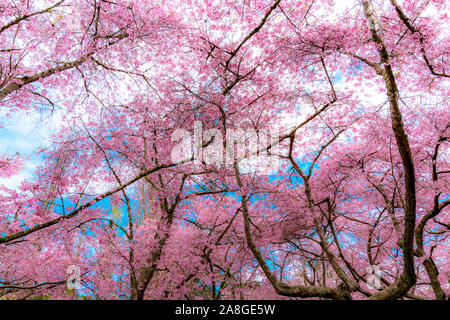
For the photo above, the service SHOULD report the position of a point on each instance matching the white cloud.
(23, 134)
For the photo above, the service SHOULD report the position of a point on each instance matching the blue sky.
(24, 134)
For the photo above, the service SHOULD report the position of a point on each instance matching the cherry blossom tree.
(354, 96)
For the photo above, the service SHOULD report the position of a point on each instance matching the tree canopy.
(228, 149)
